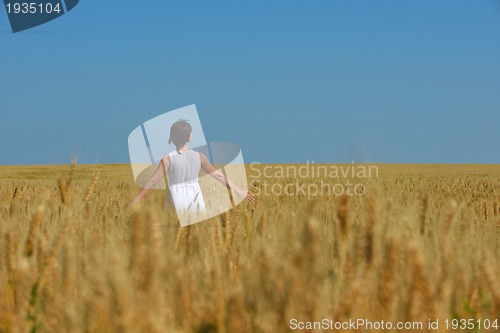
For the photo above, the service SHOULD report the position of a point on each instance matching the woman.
(182, 167)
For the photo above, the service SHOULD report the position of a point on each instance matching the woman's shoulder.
(168, 156)
(200, 154)
(196, 154)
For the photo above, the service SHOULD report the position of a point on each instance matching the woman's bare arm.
(159, 173)
(217, 175)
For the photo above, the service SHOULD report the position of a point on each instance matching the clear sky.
(289, 81)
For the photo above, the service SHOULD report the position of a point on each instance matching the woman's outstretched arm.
(159, 173)
(217, 175)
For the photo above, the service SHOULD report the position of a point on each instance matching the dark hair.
(179, 133)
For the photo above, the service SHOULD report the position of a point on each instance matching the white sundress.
(184, 191)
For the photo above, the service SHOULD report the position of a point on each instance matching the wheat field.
(423, 243)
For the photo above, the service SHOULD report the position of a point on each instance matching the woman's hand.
(245, 195)
(131, 204)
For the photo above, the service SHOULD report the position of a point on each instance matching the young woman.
(182, 167)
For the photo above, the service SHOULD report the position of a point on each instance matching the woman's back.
(184, 167)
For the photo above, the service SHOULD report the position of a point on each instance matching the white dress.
(184, 191)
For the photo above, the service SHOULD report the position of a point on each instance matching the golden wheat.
(423, 243)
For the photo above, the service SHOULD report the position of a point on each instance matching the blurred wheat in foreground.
(423, 243)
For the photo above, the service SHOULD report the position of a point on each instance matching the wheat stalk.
(91, 188)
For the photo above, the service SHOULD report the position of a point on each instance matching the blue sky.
(289, 81)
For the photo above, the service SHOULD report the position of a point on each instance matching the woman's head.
(180, 133)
